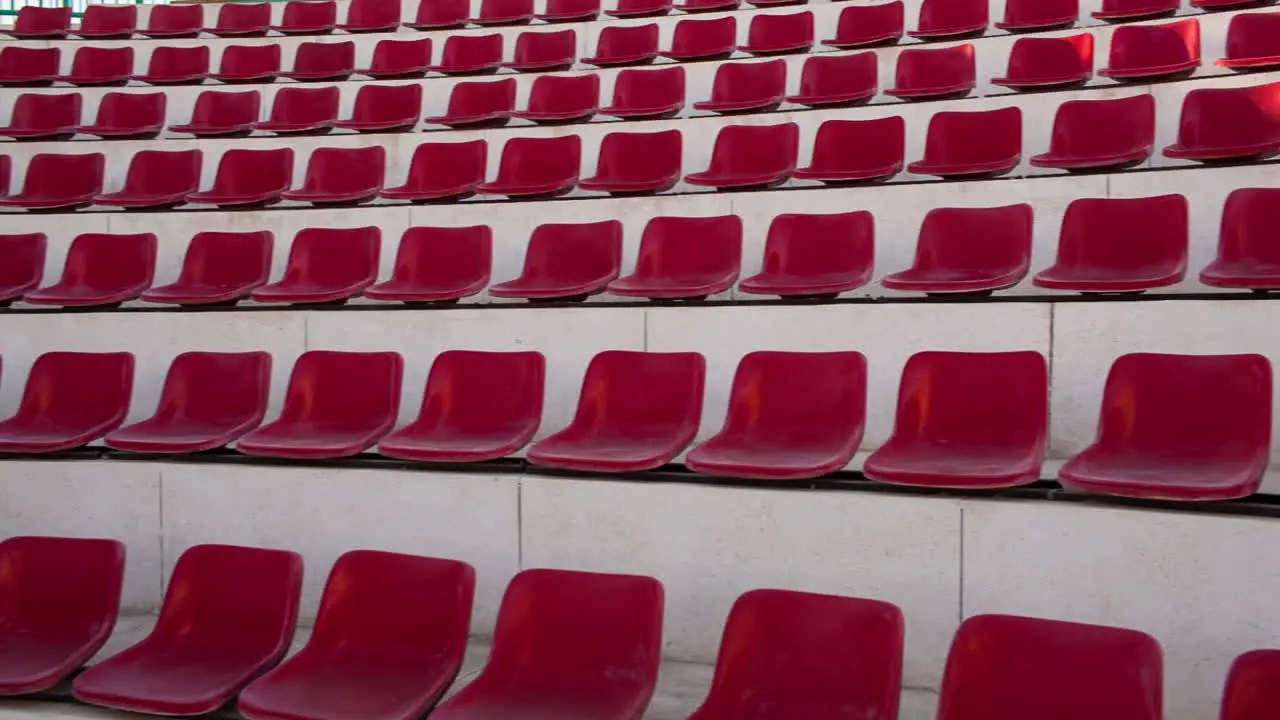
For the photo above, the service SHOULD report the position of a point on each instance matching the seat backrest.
(345, 169)
(540, 159)
(244, 16)
(36, 20)
(387, 102)
(249, 59)
(305, 105)
(1245, 231)
(309, 13)
(573, 7)
(59, 587)
(641, 393)
(1143, 46)
(690, 246)
(562, 93)
(649, 88)
(801, 398)
(627, 41)
(220, 107)
(749, 81)
(22, 259)
(545, 46)
(344, 389)
(46, 110)
(836, 74)
(1104, 127)
(334, 256)
(870, 22)
(102, 62)
(216, 387)
(499, 9)
(1035, 58)
(976, 239)
(445, 254)
(1229, 117)
(814, 244)
(373, 14)
(254, 171)
(691, 36)
(332, 57)
(1125, 234)
(167, 60)
(766, 29)
(756, 148)
(109, 19)
(72, 389)
(442, 13)
(23, 62)
(944, 15)
(478, 97)
(131, 110)
(222, 259)
(574, 252)
(920, 69)
(472, 49)
(57, 175)
(448, 164)
(477, 392)
(640, 156)
(110, 261)
(401, 55)
(162, 171)
(870, 144)
(1022, 13)
(1252, 682)
(968, 137)
(1251, 35)
(175, 18)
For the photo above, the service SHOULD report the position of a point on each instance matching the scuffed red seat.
(371, 16)
(56, 181)
(625, 45)
(21, 66)
(242, 20)
(792, 416)
(100, 22)
(34, 22)
(326, 265)
(950, 19)
(837, 80)
(869, 25)
(1038, 15)
(470, 55)
(440, 14)
(219, 268)
(398, 59)
(1250, 691)
(99, 66)
(248, 63)
(637, 163)
(815, 255)
(21, 264)
(157, 179)
(220, 113)
(969, 250)
(570, 11)
(337, 404)
(388, 641)
(1120, 245)
(1229, 124)
(438, 264)
(383, 108)
(1143, 52)
(1005, 667)
(532, 167)
(70, 399)
(1130, 10)
(176, 66)
(713, 39)
(857, 151)
(341, 176)
(934, 73)
(61, 596)
(640, 8)
(248, 177)
(1037, 63)
(440, 171)
(1101, 134)
(173, 21)
(562, 98)
(1179, 427)
(128, 116)
(480, 103)
(697, 6)
(209, 399)
(227, 616)
(567, 261)
(315, 61)
(647, 94)
(746, 87)
(102, 270)
(751, 156)
(544, 51)
(685, 258)
(1248, 255)
(779, 34)
(1253, 42)
(504, 12)
(43, 116)
(308, 17)
(302, 110)
(967, 144)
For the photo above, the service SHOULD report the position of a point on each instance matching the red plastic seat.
(249, 177)
(157, 179)
(647, 94)
(869, 25)
(747, 87)
(1037, 63)
(504, 12)
(1179, 427)
(966, 144)
(399, 59)
(1215, 5)
(100, 66)
(1253, 42)
(570, 11)
(1229, 124)
(480, 103)
(438, 264)
(382, 108)
(440, 14)
(470, 55)
(567, 261)
(21, 265)
(38, 23)
(323, 61)
(1129, 10)
(107, 21)
(61, 596)
(1101, 134)
(70, 399)
(1038, 15)
(302, 110)
(173, 21)
(696, 6)
(637, 163)
(562, 99)
(532, 167)
(713, 39)
(625, 45)
(751, 156)
(857, 151)
(341, 176)
(837, 80)
(779, 34)
(326, 265)
(1003, 667)
(1120, 245)
(792, 416)
(46, 116)
(248, 63)
(337, 405)
(930, 74)
(969, 250)
(685, 258)
(950, 19)
(29, 66)
(1250, 692)
(242, 20)
(56, 181)
(371, 16)
(218, 112)
(227, 616)
(815, 255)
(102, 270)
(440, 171)
(544, 51)
(176, 65)
(640, 8)
(209, 399)
(1142, 52)
(787, 654)
(308, 17)
(219, 268)
(128, 115)
(1248, 254)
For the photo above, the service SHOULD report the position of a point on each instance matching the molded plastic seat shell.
(1036, 63)
(697, 6)
(100, 66)
(440, 14)
(811, 255)
(326, 265)
(399, 59)
(34, 22)
(248, 177)
(836, 80)
(479, 103)
(341, 176)
(562, 98)
(931, 73)
(640, 8)
(567, 261)
(43, 116)
(570, 11)
(1248, 252)
(371, 16)
(747, 87)
(438, 264)
(302, 110)
(1101, 134)
(504, 12)
(869, 25)
(382, 108)
(1120, 245)
(308, 17)
(156, 179)
(531, 167)
(969, 250)
(102, 269)
(248, 63)
(128, 115)
(1253, 42)
(647, 94)
(703, 40)
(1129, 10)
(470, 55)
(685, 258)
(857, 151)
(107, 21)
(21, 264)
(980, 143)
(70, 399)
(1219, 124)
(544, 51)
(1036, 15)
(28, 66)
(220, 113)
(777, 34)
(1250, 692)
(626, 45)
(637, 163)
(751, 156)
(242, 20)
(218, 268)
(948, 19)
(323, 60)
(173, 21)
(56, 181)
(440, 171)
(1142, 52)
(176, 65)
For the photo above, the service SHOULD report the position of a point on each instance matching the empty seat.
(982, 143)
(399, 59)
(323, 61)
(371, 16)
(219, 268)
(570, 11)
(36, 23)
(438, 264)
(208, 400)
(857, 151)
(218, 113)
(837, 80)
(567, 261)
(108, 21)
(128, 115)
(640, 8)
(440, 14)
(792, 416)
(544, 51)
(21, 264)
(504, 12)
(302, 110)
(1037, 63)
(157, 179)
(248, 177)
(747, 87)
(381, 108)
(1101, 134)
(815, 255)
(948, 19)
(70, 399)
(751, 156)
(480, 103)
(61, 596)
(1179, 427)
(1220, 124)
(685, 258)
(56, 181)
(868, 25)
(308, 17)
(28, 66)
(1141, 52)
(633, 163)
(1248, 255)
(47, 116)
(176, 65)
(1129, 10)
(647, 94)
(227, 616)
(391, 622)
(969, 250)
(341, 176)
(1253, 42)
(1250, 691)
(996, 669)
(703, 40)
(326, 265)
(778, 34)
(173, 21)
(440, 171)
(695, 6)
(1037, 15)
(625, 45)
(562, 98)
(248, 63)
(1120, 245)
(930, 74)
(337, 404)
(470, 55)
(100, 66)
(530, 167)
(101, 270)
(242, 20)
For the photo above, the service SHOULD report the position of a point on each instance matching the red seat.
(868, 25)
(61, 596)
(100, 66)
(1179, 427)
(302, 110)
(56, 181)
(438, 264)
(570, 11)
(107, 21)
(209, 399)
(43, 116)
(173, 21)
(399, 59)
(788, 654)
(440, 171)
(37, 23)
(29, 66)
(950, 19)
(308, 17)
(751, 156)
(625, 45)
(470, 55)
(338, 404)
(372, 16)
(747, 87)
(1248, 254)
(1003, 667)
(248, 177)
(1142, 52)
(248, 63)
(981, 143)
(647, 94)
(1101, 134)
(323, 61)
(567, 261)
(1250, 692)
(640, 8)
(157, 179)
(242, 20)
(218, 268)
(176, 66)
(1214, 5)
(1129, 10)
(685, 258)
(1037, 15)
(1229, 124)
(544, 51)
(218, 112)
(21, 264)
(1037, 63)
(70, 399)
(637, 163)
(703, 40)
(562, 98)
(857, 151)
(931, 74)
(128, 115)
(381, 108)
(326, 265)
(480, 103)
(1115, 245)
(532, 167)
(388, 641)
(440, 14)
(778, 34)
(1253, 42)
(227, 616)
(504, 12)
(969, 250)
(695, 6)
(102, 270)
(6, 163)
(815, 255)
(341, 176)
(792, 416)
(837, 80)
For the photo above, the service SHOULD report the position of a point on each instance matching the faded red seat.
(567, 261)
(227, 616)
(625, 45)
(302, 110)
(640, 8)
(837, 80)
(1120, 245)
(479, 103)
(308, 17)
(44, 116)
(388, 641)
(950, 19)
(562, 99)
(1250, 691)
(399, 59)
(504, 12)
(209, 399)
(685, 258)
(792, 416)
(934, 73)
(1215, 5)
(1219, 124)
(326, 265)
(128, 115)
(176, 66)
(696, 6)
(544, 51)
(570, 11)
(440, 14)
(470, 55)
(438, 264)
(969, 250)
(869, 25)
(338, 404)
(1179, 427)
(1248, 255)
(173, 21)
(21, 264)
(635, 163)
(102, 270)
(647, 94)
(1142, 52)
(107, 21)
(1002, 667)
(323, 60)
(56, 181)
(965, 144)
(242, 20)
(70, 399)
(1036, 63)
(857, 151)
(219, 113)
(34, 22)
(1101, 134)
(1037, 15)
(100, 66)
(751, 156)
(371, 16)
(778, 34)
(382, 108)
(1129, 10)
(218, 268)
(61, 597)
(157, 179)
(248, 63)
(440, 171)
(813, 255)
(248, 177)
(747, 87)
(703, 40)
(29, 66)
(1253, 42)
(341, 176)
(531, 167)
